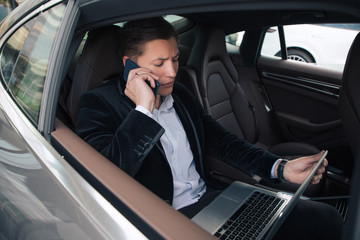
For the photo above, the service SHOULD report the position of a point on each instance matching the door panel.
(304, 100)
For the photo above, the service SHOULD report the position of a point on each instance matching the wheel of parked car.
(299, 55)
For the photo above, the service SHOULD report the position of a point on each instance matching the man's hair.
(138, 32)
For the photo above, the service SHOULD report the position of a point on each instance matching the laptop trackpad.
(210, 218)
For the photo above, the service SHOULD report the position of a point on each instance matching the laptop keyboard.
(251, 218)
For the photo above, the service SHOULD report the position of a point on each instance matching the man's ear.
(124, 59)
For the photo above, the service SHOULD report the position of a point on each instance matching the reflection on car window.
(12, 49)
(6, 6)
(24, 60)
(317, 44)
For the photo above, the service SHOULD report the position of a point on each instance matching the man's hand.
(298, 169)
(138, 90)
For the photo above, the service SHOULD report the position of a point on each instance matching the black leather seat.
(349, 101)
(222, 95)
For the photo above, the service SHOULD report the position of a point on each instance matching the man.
(160, 140)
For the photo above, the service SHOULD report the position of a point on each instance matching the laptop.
(243, 211)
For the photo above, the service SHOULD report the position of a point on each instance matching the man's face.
(161, 57)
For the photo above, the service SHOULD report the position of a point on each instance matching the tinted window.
(24, 60)
(320, 44)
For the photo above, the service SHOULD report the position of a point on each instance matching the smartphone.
(129, 65)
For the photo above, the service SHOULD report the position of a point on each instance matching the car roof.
(230, 15)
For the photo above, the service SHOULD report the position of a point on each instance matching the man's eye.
(159, 64)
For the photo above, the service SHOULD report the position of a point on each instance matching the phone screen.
(129, 65)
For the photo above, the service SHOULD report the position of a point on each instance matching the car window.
(6, 6)
(24, 60)
(235, 38)
(173, 18)
(318, 44)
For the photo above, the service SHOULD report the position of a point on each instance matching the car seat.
(349, 99)
(223, 97)
(349, 109)
(99, 61)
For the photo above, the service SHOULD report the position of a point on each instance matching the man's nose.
(172, 69)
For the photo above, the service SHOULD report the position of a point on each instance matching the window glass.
(235, 38)
(321, 44)
(12, 49)
(173, 18)
(6, 6)
(24, 60)
(271, 45)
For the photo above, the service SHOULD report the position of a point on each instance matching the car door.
(300, 67)
(41, 195)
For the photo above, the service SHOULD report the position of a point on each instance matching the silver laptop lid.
(293, 201)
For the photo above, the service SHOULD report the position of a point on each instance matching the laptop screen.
(288, 208)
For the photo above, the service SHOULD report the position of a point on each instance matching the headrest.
(99, 61)
(209, 46)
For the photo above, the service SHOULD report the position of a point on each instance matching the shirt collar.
(167, 103)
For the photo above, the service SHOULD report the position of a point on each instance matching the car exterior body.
(54, 185)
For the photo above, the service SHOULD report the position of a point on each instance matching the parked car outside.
(321, 44)
(324, 45)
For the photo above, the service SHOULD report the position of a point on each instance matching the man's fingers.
(142, 76)
(142, 73)
(319, 173)
(325, 163)
(313, 159)
(297, 170)
(152, 82)
(316, 179)
(321, 170)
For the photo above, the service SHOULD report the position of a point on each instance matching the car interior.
(249, 94)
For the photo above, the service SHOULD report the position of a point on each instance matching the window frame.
(55, 72)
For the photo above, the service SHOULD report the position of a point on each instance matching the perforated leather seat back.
(221, 94)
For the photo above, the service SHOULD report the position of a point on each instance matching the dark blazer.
(108, 121)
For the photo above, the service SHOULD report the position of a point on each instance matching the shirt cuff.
(272, 174)
(144, 111)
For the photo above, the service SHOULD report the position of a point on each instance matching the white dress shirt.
(188, 186)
